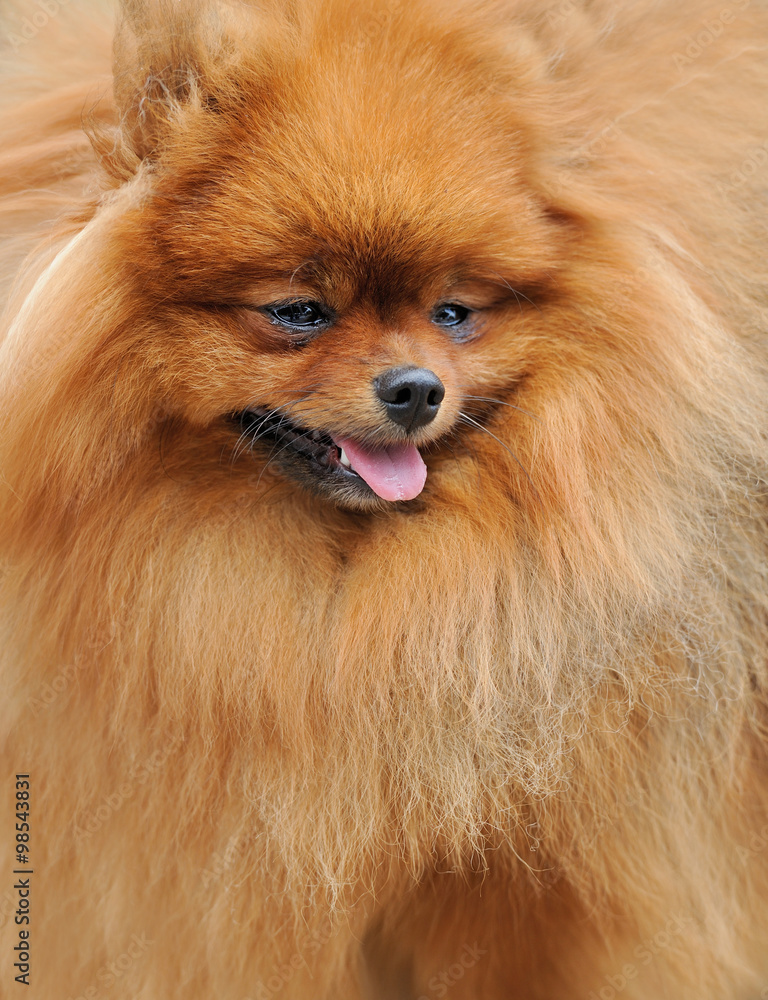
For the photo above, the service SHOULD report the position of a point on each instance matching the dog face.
(358, 282)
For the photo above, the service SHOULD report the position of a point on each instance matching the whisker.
(252, 433)
(304, 392)
(246, 439)
(518, 294)
(501, 402)
(284, 413)
(276, 454)
(237, 450)
(474, 423)
(477, 465)
(269, 430)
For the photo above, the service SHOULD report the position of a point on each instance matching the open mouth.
(348, 470)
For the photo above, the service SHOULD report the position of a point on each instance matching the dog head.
(336, 241)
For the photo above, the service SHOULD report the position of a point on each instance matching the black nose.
(412, 396)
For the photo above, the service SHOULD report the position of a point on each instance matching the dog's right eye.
(299, 315)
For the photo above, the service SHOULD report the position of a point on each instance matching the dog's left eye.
(299, 315)
(450, 314)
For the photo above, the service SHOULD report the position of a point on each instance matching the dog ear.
(169, 55)
(160, 59)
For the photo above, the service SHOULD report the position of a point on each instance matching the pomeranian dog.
(383, 481)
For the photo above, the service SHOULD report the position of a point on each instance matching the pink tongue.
(394, 473)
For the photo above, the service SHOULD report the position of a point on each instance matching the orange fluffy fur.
(504, 741)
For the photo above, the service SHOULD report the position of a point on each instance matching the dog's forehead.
(358, 167)
(386, 205)
(371, 232)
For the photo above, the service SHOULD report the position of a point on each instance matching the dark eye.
(450, 314)
(299, 315)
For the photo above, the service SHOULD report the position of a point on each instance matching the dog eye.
(300, 315)
(450, 314)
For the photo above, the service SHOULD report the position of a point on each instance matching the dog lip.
(315, 445)
(263, 423)
(390, 472)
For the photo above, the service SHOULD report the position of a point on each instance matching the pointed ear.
(158, 67)
(168, 55)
